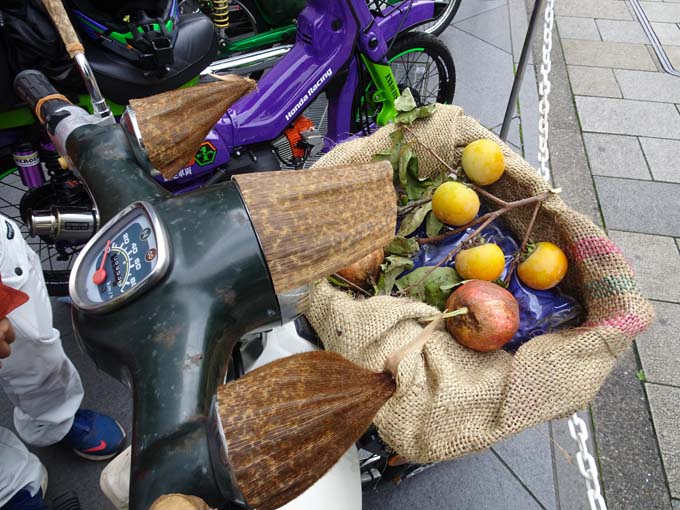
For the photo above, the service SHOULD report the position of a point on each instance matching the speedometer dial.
(129, 252)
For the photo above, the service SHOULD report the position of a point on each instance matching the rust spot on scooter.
(166, 336)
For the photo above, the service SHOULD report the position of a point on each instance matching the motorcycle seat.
(120, 80)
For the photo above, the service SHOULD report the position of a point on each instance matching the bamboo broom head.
(315, 222)
(179, 502)
(290, 421)
(173, 124)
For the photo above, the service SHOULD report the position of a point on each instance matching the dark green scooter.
(162, 293)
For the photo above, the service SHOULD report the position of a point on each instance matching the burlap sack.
(451, 400)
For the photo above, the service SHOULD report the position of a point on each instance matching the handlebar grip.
(34, 89)
(64, 26)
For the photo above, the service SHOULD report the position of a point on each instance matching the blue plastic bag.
(541, 311)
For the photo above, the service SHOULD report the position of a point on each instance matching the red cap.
(10, 299)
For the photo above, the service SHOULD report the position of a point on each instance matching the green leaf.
(380, 157)
(414, 219)
(405, 102)
(433, 225)
(410, 116)
(426, 111)
(416, 187)
(406, 117)
(641, 376)
(397, 137)
(434, 289)
(391, 269)
(405, 156)
(402, 246)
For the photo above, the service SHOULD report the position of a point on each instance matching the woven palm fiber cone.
(288, 422)
(313, 223)
(173, 124)
(179, 502)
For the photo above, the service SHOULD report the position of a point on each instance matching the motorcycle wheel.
(245, 19)
(56, 260)
(439, 24)
(420, 62)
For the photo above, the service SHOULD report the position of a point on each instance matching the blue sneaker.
(23, 500)
(95, 436)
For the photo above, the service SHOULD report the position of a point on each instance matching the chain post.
(577, 427)
(544, 90)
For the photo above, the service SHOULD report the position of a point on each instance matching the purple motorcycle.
(360, 56)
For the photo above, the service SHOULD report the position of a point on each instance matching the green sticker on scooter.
(205, 154)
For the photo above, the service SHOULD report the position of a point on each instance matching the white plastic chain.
(577, 427)
(544, 90)
(586, 463)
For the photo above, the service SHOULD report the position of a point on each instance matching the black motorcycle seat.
(120, 80)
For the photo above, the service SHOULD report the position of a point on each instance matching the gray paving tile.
(593, 81)
(488, 76)
(626, 117)
(630, 462)
(529, 455)
(676, 504)
(668, 33)
(570, 486)
(571, 173)
(514, 138)
(570, 27)
(649, 86)
(562, 110)
(663, 157)
(640, 206)
(664, 402)
(517, 10)
(479, 27)
(616, 156)
(469, 9)
(659, 347)
(607, 9)
(661, 11)
(476, 481)
(608, 54)
(673, 53)
(621, 31)
(528, 107)
(656, 262)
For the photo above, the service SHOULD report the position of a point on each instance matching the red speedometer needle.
(99, 276)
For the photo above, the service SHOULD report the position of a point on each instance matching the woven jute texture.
(451, 400)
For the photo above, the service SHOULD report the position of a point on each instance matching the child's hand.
(6, 338)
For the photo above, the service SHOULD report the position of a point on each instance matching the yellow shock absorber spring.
(220, 13)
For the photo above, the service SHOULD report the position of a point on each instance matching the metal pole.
(521, 68)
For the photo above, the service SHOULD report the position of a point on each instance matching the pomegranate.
(492, 318)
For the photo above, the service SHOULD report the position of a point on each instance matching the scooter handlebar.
(35, 89)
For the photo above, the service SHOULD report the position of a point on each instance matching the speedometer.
(127, 255)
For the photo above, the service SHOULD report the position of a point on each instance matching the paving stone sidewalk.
(627, 110)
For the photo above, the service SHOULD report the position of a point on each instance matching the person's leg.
(40, 380)
(20, 470)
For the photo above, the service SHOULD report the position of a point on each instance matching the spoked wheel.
(420, 62)
(244, 20)
(447, 10)
(16, 200)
